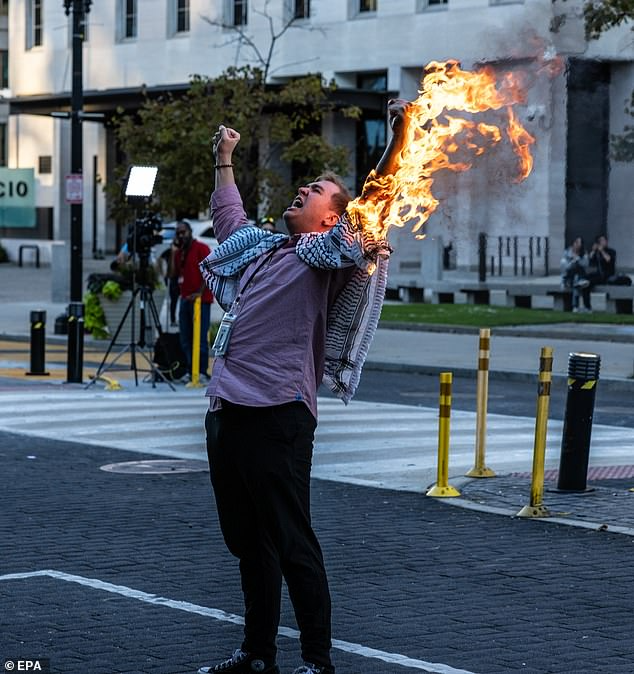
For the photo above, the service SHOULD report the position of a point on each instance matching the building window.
(506, 2)
(4, 69)
(238, 13)
(372, 129)
(372, 81)
(432, 4)
(45, 164)
(182, 16)
(4, 7)
(128, 19)
(302, 9)
(34, 23)
(367, 5)
(3, 144)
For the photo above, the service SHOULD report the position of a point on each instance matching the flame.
(521, 141)
(435, 140)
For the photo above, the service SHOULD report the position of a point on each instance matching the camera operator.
(187, 253)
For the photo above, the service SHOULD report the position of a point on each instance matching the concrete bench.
(618, 299)
(562, 299)
(29, 246)
(452, 293)
(525, 296)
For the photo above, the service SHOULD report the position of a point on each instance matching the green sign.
(17, 198)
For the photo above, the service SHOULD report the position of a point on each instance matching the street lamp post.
(75, 355)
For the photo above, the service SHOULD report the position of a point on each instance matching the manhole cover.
(167, 466)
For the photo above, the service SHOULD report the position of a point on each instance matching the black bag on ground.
(619, 280)
(169, 356)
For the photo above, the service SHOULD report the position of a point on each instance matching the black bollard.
(482, 257)
(583, 375)
(61, 324)
(75, 358)
(38, 344)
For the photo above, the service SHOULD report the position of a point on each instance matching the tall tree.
(280, 125)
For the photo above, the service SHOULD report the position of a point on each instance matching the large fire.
(432, 137)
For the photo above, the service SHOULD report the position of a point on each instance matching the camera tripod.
(136, 347)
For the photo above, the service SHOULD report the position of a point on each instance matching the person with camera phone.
(317, 295)
(187, 253)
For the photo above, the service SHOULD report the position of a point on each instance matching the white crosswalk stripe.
(378, 444)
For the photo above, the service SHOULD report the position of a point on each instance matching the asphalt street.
(137, 578)
(612, 407)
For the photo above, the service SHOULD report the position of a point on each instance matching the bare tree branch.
(244, 39)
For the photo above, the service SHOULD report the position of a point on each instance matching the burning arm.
(370, 211)
(397, 110)
(390, 161)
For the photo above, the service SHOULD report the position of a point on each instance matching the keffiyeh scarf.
(353, 318)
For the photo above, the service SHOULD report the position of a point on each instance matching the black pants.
(260, 460)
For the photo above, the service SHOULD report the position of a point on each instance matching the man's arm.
(224, 143)
(226, 204)
(397, 110)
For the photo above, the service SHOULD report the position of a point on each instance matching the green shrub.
(111, 290)
(94, 319)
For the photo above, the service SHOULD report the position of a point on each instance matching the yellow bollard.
(442, 488)
(482, 397)
(195, 382)
(536, 508)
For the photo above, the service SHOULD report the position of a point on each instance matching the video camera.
(144, 234)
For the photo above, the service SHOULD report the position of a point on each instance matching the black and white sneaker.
(241, 663)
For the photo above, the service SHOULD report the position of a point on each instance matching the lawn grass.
(485, 316)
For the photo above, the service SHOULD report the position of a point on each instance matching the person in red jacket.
(187, 253)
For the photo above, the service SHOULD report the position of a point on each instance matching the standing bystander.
(187, 253)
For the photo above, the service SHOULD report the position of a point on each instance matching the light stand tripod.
(138, 187)
(136, 347)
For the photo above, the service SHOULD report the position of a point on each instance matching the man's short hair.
(341, 198)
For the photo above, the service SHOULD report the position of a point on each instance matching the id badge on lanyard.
(221, 343)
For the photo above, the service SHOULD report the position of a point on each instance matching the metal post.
(530, 255)
(79, 10)
(515, 255)
(583, 374)
(500, 243)
(482, 396)
(442, 488)
(38, 344)
(75, 368)
(482, 257)
(536, 507)
(195, 382)
(546, 254)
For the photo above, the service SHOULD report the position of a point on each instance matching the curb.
(610, 384)
(510, 331)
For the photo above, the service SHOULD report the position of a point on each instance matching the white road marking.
(374, 444)
(219, 614)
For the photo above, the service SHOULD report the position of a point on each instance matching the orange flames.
(432, 140)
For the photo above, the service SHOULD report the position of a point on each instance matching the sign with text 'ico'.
(17, 198)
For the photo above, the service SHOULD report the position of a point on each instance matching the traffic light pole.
(75, 354)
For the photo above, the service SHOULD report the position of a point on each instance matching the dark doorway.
(588, 149)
